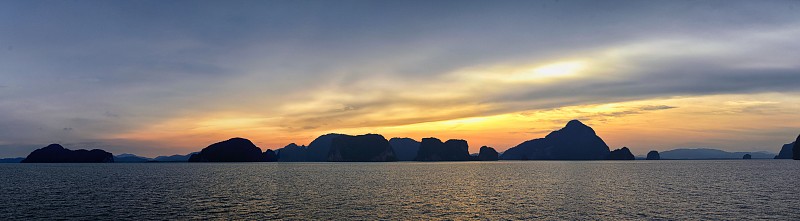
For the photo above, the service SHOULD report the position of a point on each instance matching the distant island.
(55, 153)
(575, 141)
(709, 154)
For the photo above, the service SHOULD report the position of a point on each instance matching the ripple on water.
(652, 190)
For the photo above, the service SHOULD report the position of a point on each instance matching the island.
(55, 153)
(361, 148)
(432, 149)
(232, 150)
(653, 155)
(575, 141)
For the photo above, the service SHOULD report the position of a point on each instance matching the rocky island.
(432, 149)
(653, 155)
(621, 154)
(488, 154)
(361, 148)
(55, 153)
(575, 141)
(232, 150)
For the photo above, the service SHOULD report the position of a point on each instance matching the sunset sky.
(171, 77)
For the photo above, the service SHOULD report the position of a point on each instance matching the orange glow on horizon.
(635, 124)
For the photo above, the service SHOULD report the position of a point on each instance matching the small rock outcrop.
(796, 149)
(55, 153)
(432, 149)
(786, 151)
(575, 141)
(488, 154)
(653, 155)
(232, 150)
(361, 148)
(270, 156)
(621, 154)
(747, 157)
(405, 148)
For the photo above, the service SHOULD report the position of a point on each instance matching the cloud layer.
(127, 75)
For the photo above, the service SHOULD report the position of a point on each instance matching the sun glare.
(559, 69)
(549, 72)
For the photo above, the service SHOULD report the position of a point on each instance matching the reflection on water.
(730, 190)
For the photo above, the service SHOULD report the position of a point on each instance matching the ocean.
(503, 190)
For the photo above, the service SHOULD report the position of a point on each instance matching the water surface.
(646, 190)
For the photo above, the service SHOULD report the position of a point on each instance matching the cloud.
(122, 67)
(656, 107)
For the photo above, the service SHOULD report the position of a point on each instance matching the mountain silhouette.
(55, 153)
(653, 155)
(747, 156)
(12, 160)
(232, 150)
(487, 154)
(405, 148)
(707, 154)
(786, 151)
(432, 149)
(319, 148)
(361, 148)
(621, 154)
(292, 153)
(575, 141)
(130, 158)
(174, 158)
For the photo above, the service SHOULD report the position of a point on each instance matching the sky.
(171, 77)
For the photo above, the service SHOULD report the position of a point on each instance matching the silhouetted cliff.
(319, 148)
(432, 149)
(55, 153)
(575, 141)
(796, 149)
(361, 148)
(405, 148)
(653, 155)
(621, 154)
(293, 153)
(786, 151)
(488, 154)
(232, 150)
(747, 157)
